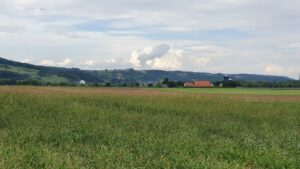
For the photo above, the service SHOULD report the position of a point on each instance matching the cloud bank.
(157, 57)
(230, 36)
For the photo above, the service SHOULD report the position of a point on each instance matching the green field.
(43, 127)
(246, 91)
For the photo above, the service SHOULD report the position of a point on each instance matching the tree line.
(236, 83)
(166, 82)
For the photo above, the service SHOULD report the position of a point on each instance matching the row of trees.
(164, 83)
(249, 84)
(170, 83)
(285, 84)
(33, 83)
(235, 83)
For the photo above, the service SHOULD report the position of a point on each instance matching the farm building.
(198, 84)
(82, 82)
(189, 84)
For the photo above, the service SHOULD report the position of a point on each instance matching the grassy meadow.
(43, 127)
(242, 91)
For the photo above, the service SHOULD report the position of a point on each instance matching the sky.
(226, 36)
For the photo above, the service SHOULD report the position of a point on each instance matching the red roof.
(198, 84)
(202, 84)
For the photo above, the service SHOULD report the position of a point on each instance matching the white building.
(82, 82)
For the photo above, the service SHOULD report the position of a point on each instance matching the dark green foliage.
(11, 75)
(107, 84)
(172, 84)
(150, 85)
(259, 84)
(31, 82)
(179, 84)
(8, 82)
(169, 83)
(165, 81)
(137, 84)
(285, 84)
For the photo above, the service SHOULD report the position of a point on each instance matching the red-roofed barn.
(198, 84)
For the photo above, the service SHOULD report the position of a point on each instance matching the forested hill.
(16, 71)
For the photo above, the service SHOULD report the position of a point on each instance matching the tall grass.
(136, 131)
(248, 91)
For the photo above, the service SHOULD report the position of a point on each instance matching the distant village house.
(82, 82)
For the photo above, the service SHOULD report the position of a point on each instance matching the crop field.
(55, 127)
(242, 91)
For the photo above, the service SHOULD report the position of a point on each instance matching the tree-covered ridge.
(16, 72)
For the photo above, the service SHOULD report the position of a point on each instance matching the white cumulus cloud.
(89, 62)
(279, 70)
(63, 63)
(47, 62)
(157, 57)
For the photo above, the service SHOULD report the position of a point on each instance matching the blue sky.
(228, 36)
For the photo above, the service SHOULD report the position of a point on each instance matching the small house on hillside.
(82, 82)
(199, 84)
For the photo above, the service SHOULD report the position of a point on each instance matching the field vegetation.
(44, 127)
(240, 91)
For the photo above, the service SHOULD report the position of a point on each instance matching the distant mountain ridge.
(12, 70)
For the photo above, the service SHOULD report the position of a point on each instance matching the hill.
(17, 71)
